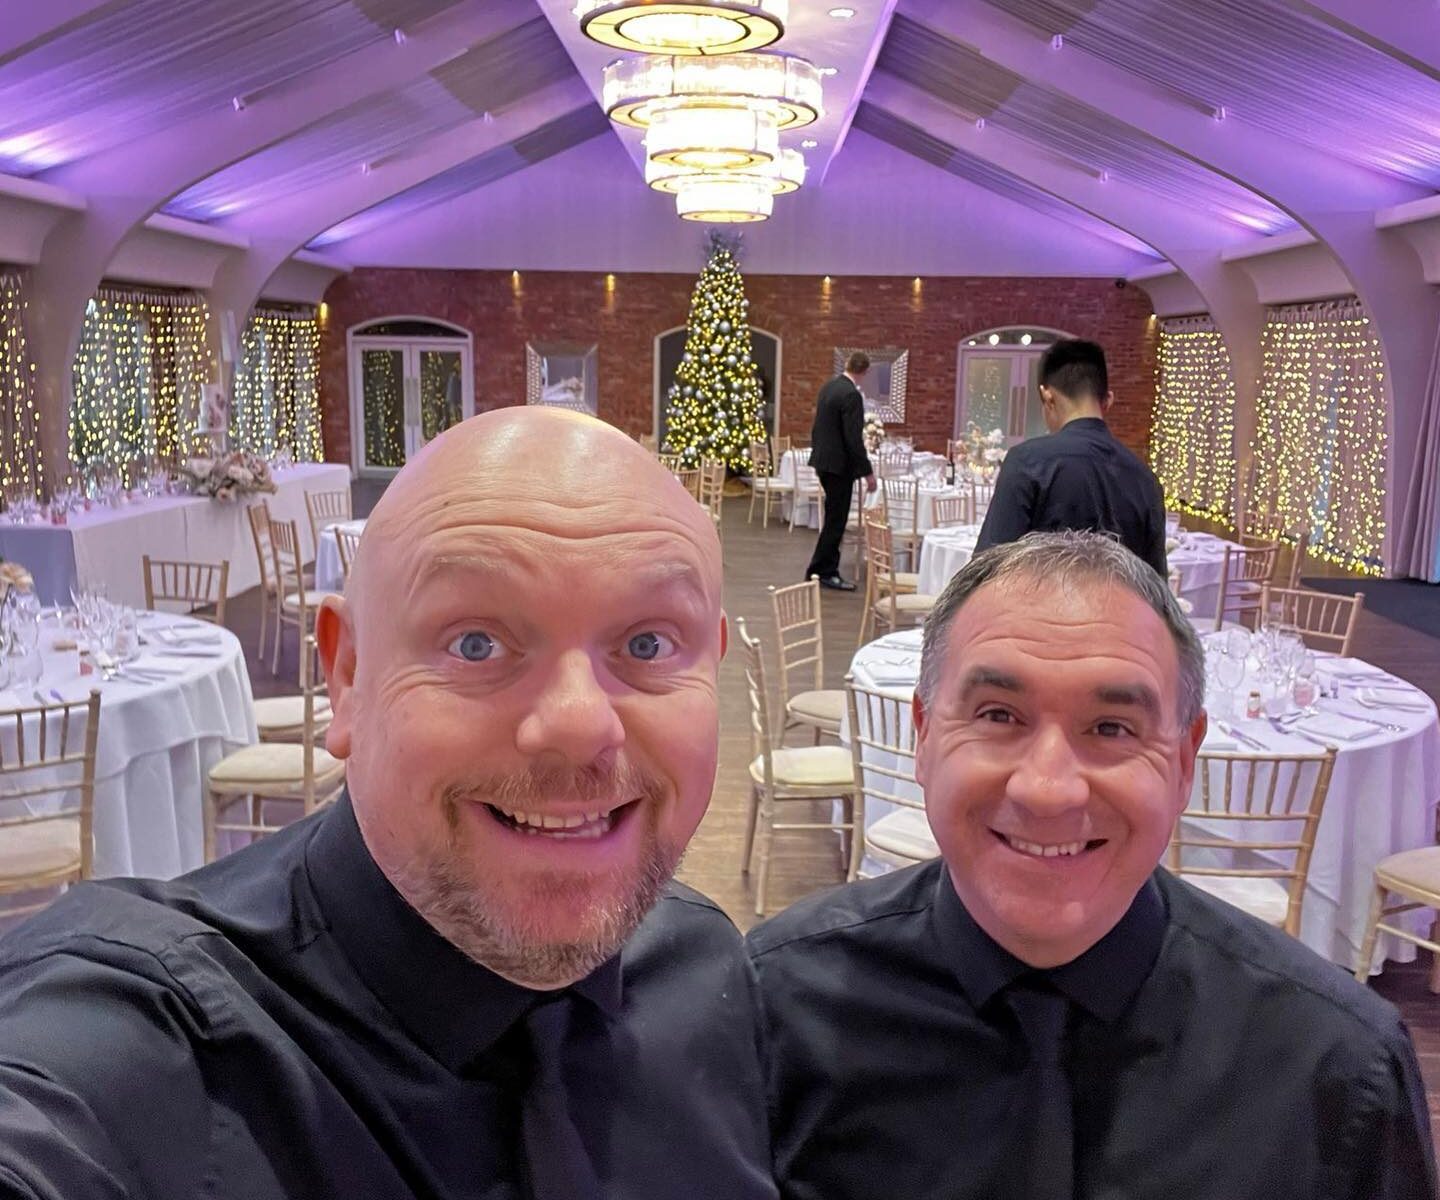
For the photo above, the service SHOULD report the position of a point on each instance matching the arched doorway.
(765, 350)
(411, 378)
(997, 376)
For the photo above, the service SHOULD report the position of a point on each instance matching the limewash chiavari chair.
(297, 770)
(800, 640)
(298, 603)
(765, 486)
(198, 585)
(882, 745)
(1266, 806)
(893, 462)
(1323, 621)
(711, 493)
(1414, 877)
(951, 510)
(885, 600)
(47, 750)
(780, 775)
(1243, 574)
(901, 498)
(807, 486)
(326, 508)
(347, 544)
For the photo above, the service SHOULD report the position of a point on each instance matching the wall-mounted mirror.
(884, 384)
(562, 375)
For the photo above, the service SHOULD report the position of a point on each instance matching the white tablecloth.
(157, 741)
(809, 515)
(1382, 799)
(942, 553)
(104, 546)
(328, 575)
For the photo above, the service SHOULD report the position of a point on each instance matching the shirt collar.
(451, 1005)
(1084, 425)
(1103, 980)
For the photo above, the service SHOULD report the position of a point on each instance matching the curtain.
(1192, 435)
(1418, 552)
(20, 457)
(277, 385)
(137, 377)
(1320, 438)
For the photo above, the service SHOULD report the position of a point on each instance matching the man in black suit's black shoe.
(837, 453)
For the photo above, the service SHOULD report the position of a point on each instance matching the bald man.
(472, 976)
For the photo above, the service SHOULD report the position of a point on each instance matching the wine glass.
(1229, 674)
(1305, 687)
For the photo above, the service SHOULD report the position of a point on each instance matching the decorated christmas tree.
(713, 407)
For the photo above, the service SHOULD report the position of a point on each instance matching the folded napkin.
(1218, 744)
(184, 652)
(907, 639)
(1397, 697)
(1336, 725)
(886, 675)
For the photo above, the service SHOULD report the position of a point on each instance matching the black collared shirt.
(283, 1024)
(1077, 478)
(1209, 1056)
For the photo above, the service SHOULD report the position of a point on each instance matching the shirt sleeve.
(853, 427)
(101, 1095)
(1011, 510)
(1391, 1141)
(1155, 551)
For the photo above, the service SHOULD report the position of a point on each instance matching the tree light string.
(1192, 433)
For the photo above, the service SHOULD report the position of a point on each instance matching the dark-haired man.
(837, 454)
(1080, 477)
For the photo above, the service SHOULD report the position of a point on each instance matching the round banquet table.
(1199, 557)
(1382, 798)
(789, 469)
(328, 575)
(157, 742)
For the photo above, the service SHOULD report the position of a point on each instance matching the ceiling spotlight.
(994, 339)
(696, 27)
(842, 14)
(1025, 339)
(829, 70)
(724, 198)
(786, 87)
(809, 144)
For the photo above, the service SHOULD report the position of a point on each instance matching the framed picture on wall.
(563, 375)
(884, 384)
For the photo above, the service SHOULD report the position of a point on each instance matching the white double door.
(999, 389)
(403, 393)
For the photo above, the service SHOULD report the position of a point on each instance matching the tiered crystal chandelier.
(712, 123)
(699, 27)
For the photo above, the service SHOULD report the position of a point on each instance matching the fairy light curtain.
(137, 377)
(277, 386)
(1320, 437)
(1192, 436)
(20, 459)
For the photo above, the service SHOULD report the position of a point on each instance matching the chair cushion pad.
(825, 708)
(912, 602)
(44, 848)
(809, 766)
(1418, 869)
(901, 838)
(1267, 899)
(271, 763)
(288, 712)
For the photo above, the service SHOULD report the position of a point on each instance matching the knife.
(1241, 736)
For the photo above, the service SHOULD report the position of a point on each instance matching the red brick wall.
(809, 316)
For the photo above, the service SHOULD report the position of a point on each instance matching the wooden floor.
(755, 558)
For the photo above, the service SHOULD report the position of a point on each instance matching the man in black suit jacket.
(837, 453)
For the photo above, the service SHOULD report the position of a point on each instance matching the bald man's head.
(523, 680)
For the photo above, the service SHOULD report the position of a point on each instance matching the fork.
(1385, 725)
(1241, 736)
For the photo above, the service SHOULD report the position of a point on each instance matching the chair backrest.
(347, 542)
(285, 550)
(49, 750)
(190, 583)
(781, 444)
(325, 508)
(952, 510)
(650, 442)
(1324, 621)
(882, 745)
(800, 636)
(760, 463)
(259, 515)
(1297, 559)
(1245, 570)
(893, 462)
(1175, 582)
(880, 550)
(1268, 804)
(753, 662)
(712, 486)
(901, 498)
(672, 462)
(690, 480)
(312, 687)
(980, 496)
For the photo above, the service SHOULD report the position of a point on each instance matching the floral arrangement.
(980, 451)
(873, 434)
(13, 575)
(238, 473)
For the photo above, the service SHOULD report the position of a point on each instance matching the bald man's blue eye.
(475, 647)
(646, 646)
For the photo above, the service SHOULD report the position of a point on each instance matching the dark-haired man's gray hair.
(1066, 559)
